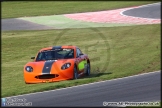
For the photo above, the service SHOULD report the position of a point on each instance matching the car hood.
(44, 67)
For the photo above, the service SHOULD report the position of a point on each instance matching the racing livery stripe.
(56, 47)
(47, 67)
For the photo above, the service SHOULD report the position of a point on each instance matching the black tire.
(75, 76)
(88, 71)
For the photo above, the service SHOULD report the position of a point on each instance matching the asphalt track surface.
(138, 88)
(146, 11)
(18, 24)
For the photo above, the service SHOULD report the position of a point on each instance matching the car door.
(82, 62)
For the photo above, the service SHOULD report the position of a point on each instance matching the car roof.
(55, 47)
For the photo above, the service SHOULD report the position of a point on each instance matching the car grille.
(47, 76)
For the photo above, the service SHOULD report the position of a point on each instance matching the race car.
(57, 63)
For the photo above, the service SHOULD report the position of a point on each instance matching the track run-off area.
(110, 18)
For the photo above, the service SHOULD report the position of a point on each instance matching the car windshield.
(55, 54)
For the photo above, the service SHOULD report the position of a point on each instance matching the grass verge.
(41, 8)
(114, 52)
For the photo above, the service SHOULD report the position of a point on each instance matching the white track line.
(121, 13)
(150, 4)
(86, 84)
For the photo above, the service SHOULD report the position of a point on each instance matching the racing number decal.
(82, 60)
(82, 64)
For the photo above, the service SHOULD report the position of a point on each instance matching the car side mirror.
(32, 57)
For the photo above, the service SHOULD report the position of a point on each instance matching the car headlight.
(65, 66)
(29, 69)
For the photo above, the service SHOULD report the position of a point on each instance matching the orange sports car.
(57, 63)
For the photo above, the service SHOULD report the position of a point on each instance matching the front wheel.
(75, 76)
(88, 71)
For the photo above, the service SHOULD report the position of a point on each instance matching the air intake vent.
(47, 76)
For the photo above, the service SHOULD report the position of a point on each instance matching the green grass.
(34, 8)
(123, 50)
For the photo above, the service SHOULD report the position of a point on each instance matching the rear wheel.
(75, 76)
(88, 69)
